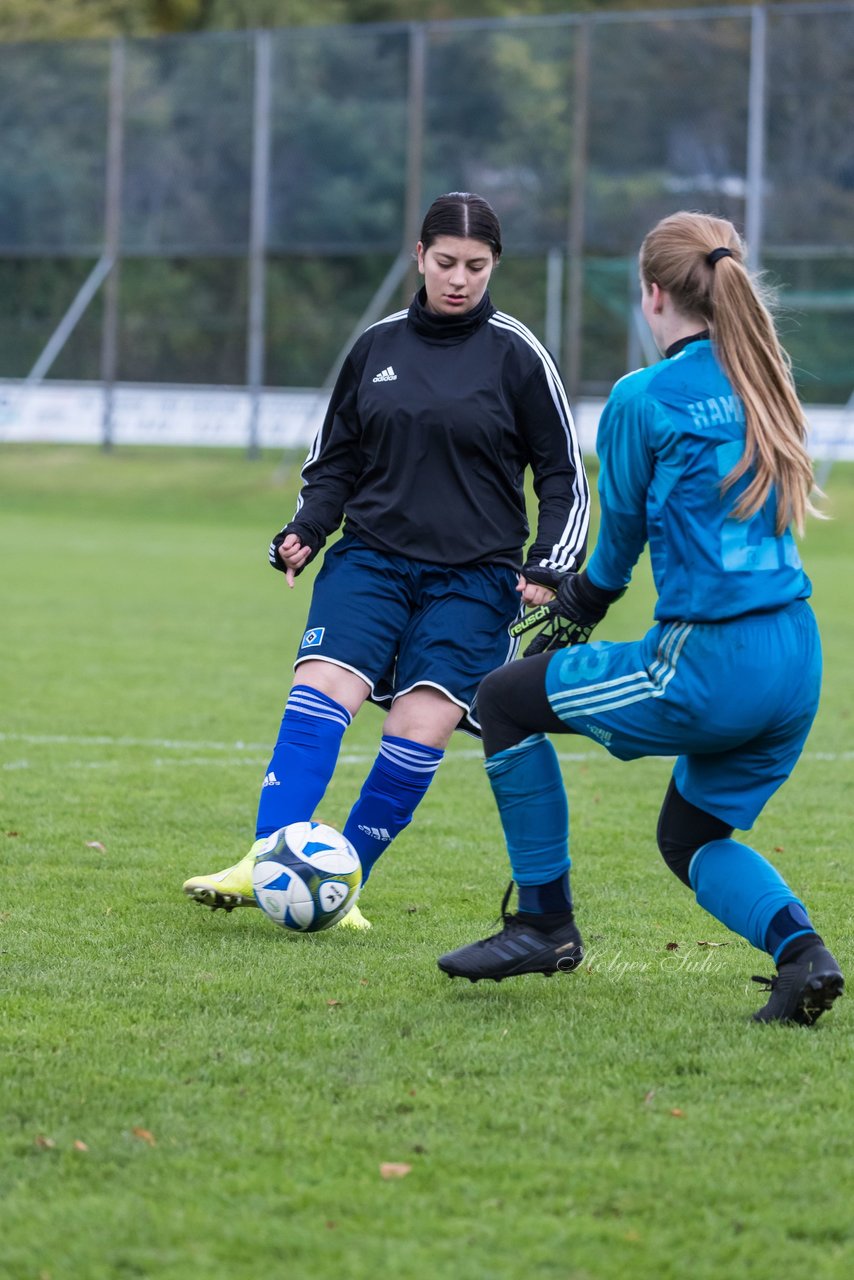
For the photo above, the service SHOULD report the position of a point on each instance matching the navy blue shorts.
(401, 623)
(734, 701)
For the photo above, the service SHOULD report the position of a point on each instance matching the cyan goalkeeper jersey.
(667, 438)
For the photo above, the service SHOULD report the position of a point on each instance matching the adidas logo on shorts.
(386, 375)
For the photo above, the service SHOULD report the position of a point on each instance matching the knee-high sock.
(740, 888)
(399, 777)
(528, 788)
(303, 761)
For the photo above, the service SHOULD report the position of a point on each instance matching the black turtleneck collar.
(441, 328)
(676, 347)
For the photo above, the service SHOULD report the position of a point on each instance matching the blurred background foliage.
(666, 127)
(88, 19)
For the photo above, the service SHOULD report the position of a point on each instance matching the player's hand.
(533, 593)
(570, 618)
(293, 556)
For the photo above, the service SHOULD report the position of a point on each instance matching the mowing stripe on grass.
(359, 757)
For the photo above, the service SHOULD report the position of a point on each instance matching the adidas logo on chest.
(385, 375)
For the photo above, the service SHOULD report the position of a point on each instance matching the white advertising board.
(76, 413)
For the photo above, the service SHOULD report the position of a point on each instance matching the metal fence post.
(756, 115)
(554, 298)
(260, 198)
(575, 234)
(112, 236)
(414, 146)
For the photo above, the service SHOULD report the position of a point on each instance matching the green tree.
(95, 19)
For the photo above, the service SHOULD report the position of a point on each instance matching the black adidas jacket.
(423, 450)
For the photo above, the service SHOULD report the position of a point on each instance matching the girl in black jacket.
(436, 414)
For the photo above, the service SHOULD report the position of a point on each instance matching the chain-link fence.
(228, 209)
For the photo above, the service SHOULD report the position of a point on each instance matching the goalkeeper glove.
(577, 608)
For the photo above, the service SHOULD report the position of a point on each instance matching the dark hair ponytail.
(460, 213)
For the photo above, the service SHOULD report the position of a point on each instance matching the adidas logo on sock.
(271, 780)
(387, 375)
(378, 833)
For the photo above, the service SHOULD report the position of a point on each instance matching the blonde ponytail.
(676, 256)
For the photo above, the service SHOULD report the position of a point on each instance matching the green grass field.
(189, 1095)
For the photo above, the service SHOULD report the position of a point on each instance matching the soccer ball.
(306, 877)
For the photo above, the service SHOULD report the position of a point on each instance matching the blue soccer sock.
(551, 898)
(401, 774)
(528, 788)
(740, 888)
(304, 759)
(789, 933)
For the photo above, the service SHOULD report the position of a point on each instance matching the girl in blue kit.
(437, 414)
(703, 457)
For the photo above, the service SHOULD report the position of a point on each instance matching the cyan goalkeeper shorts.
(401, 623)
(734, 701)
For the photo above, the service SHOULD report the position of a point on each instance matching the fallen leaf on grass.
(678, 1113)
(333, 1003)
(393, 1170)
(145, 1135)
(79, 1146)
(11, 833)
(672, 946)
(649, 1097)
(712, 944)
(46, 1144)
(96, 844)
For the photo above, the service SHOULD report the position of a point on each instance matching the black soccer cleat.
(519, 948)
(803, 989)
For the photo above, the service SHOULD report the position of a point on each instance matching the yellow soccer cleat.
(354, 920)
(227, 889)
